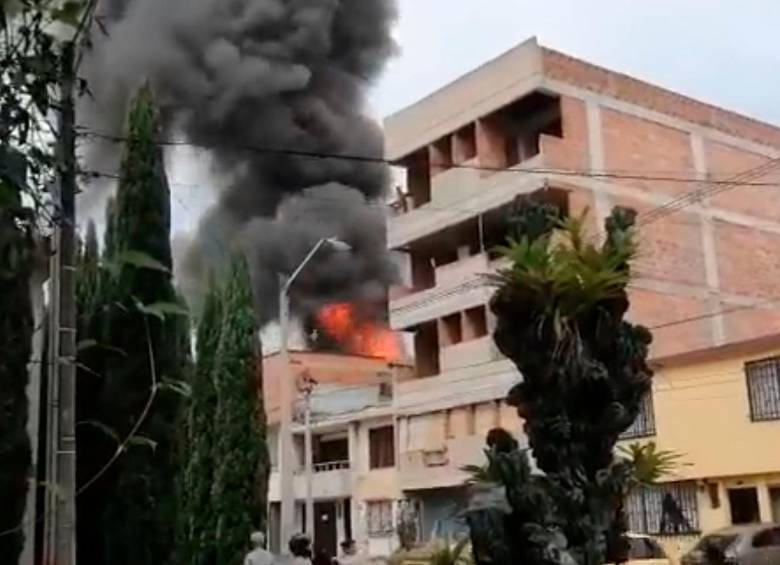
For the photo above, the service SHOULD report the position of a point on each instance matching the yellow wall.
(702, 412)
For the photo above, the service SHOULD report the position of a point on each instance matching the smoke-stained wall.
(276, 90)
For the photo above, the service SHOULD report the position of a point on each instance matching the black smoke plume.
(274, 89)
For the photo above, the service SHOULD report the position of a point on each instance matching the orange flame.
(360, 337)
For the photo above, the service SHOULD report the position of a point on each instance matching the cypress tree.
(16, 329)
(196, 518)
(226, 478)
(94, 446)
(241, 457)
(139, 509)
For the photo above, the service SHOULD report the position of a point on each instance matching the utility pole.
(307, 386)
(287, 391)
(60, 518)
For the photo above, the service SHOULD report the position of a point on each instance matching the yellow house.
(720, 409)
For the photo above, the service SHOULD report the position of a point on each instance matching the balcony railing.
(331, 466)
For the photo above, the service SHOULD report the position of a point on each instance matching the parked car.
(753, 544)
(644, 550)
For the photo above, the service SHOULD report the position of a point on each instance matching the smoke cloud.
(258, 82)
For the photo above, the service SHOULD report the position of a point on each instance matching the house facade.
(719, 410)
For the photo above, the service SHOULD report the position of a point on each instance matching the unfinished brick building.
(537, 121)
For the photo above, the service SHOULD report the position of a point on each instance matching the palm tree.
(649, 463)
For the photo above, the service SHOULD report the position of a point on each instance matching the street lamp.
(286, 396)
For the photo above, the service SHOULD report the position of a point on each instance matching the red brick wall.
(570, 152)
(748, 261)
(726, 162)
(670, 247)
(638, 147)
(651, 308)
(597, 79)
(750, 323)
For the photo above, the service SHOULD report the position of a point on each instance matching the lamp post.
(287, 392)
(307, 387)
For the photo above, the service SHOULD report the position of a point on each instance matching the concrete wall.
(328, 370)
(435, 445)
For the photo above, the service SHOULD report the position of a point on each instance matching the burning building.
(353, 446)
(275, 91)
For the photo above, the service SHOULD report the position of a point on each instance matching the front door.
(325, 536)
(744, 505)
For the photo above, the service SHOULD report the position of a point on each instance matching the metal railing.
(331, 466)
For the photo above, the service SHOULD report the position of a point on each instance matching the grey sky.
(721, 51)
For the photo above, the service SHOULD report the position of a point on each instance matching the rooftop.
(531, 66)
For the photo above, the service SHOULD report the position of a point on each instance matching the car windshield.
(645, 548)
(715, 542)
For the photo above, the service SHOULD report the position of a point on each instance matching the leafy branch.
(133, 437)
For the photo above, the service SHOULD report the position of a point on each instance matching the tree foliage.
(138, 347)
(649, 463)
(223, 489)
(560, 309)
(196, 521)
(16, 330)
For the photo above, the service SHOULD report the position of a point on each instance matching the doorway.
(744, 505)
(325, 533)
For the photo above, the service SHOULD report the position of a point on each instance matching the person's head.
(300, 545)
(501, 440)
(348, 547)
(257, 539)
(322, 557)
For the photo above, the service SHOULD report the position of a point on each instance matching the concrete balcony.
(330, 480)
(459, 285)
(461, 193)
(469, 384)
(468, 353)
(465, 269)
(438, 302)
(440, 468)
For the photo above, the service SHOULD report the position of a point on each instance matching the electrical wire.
(590, 173)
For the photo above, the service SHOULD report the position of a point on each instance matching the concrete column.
(596, 160)
(340, 522)
(403, 434)
(490, 145)
(708, 243)
(353, 439)
(764, 502)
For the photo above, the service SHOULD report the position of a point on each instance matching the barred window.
(666, 509)
(644, 425)
(380, 517)
(763, 382)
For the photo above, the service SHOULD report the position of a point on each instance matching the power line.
(384, 161)
(712, 187)
(738, 180)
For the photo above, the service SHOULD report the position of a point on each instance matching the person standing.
(300, 549)
(259, 555)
